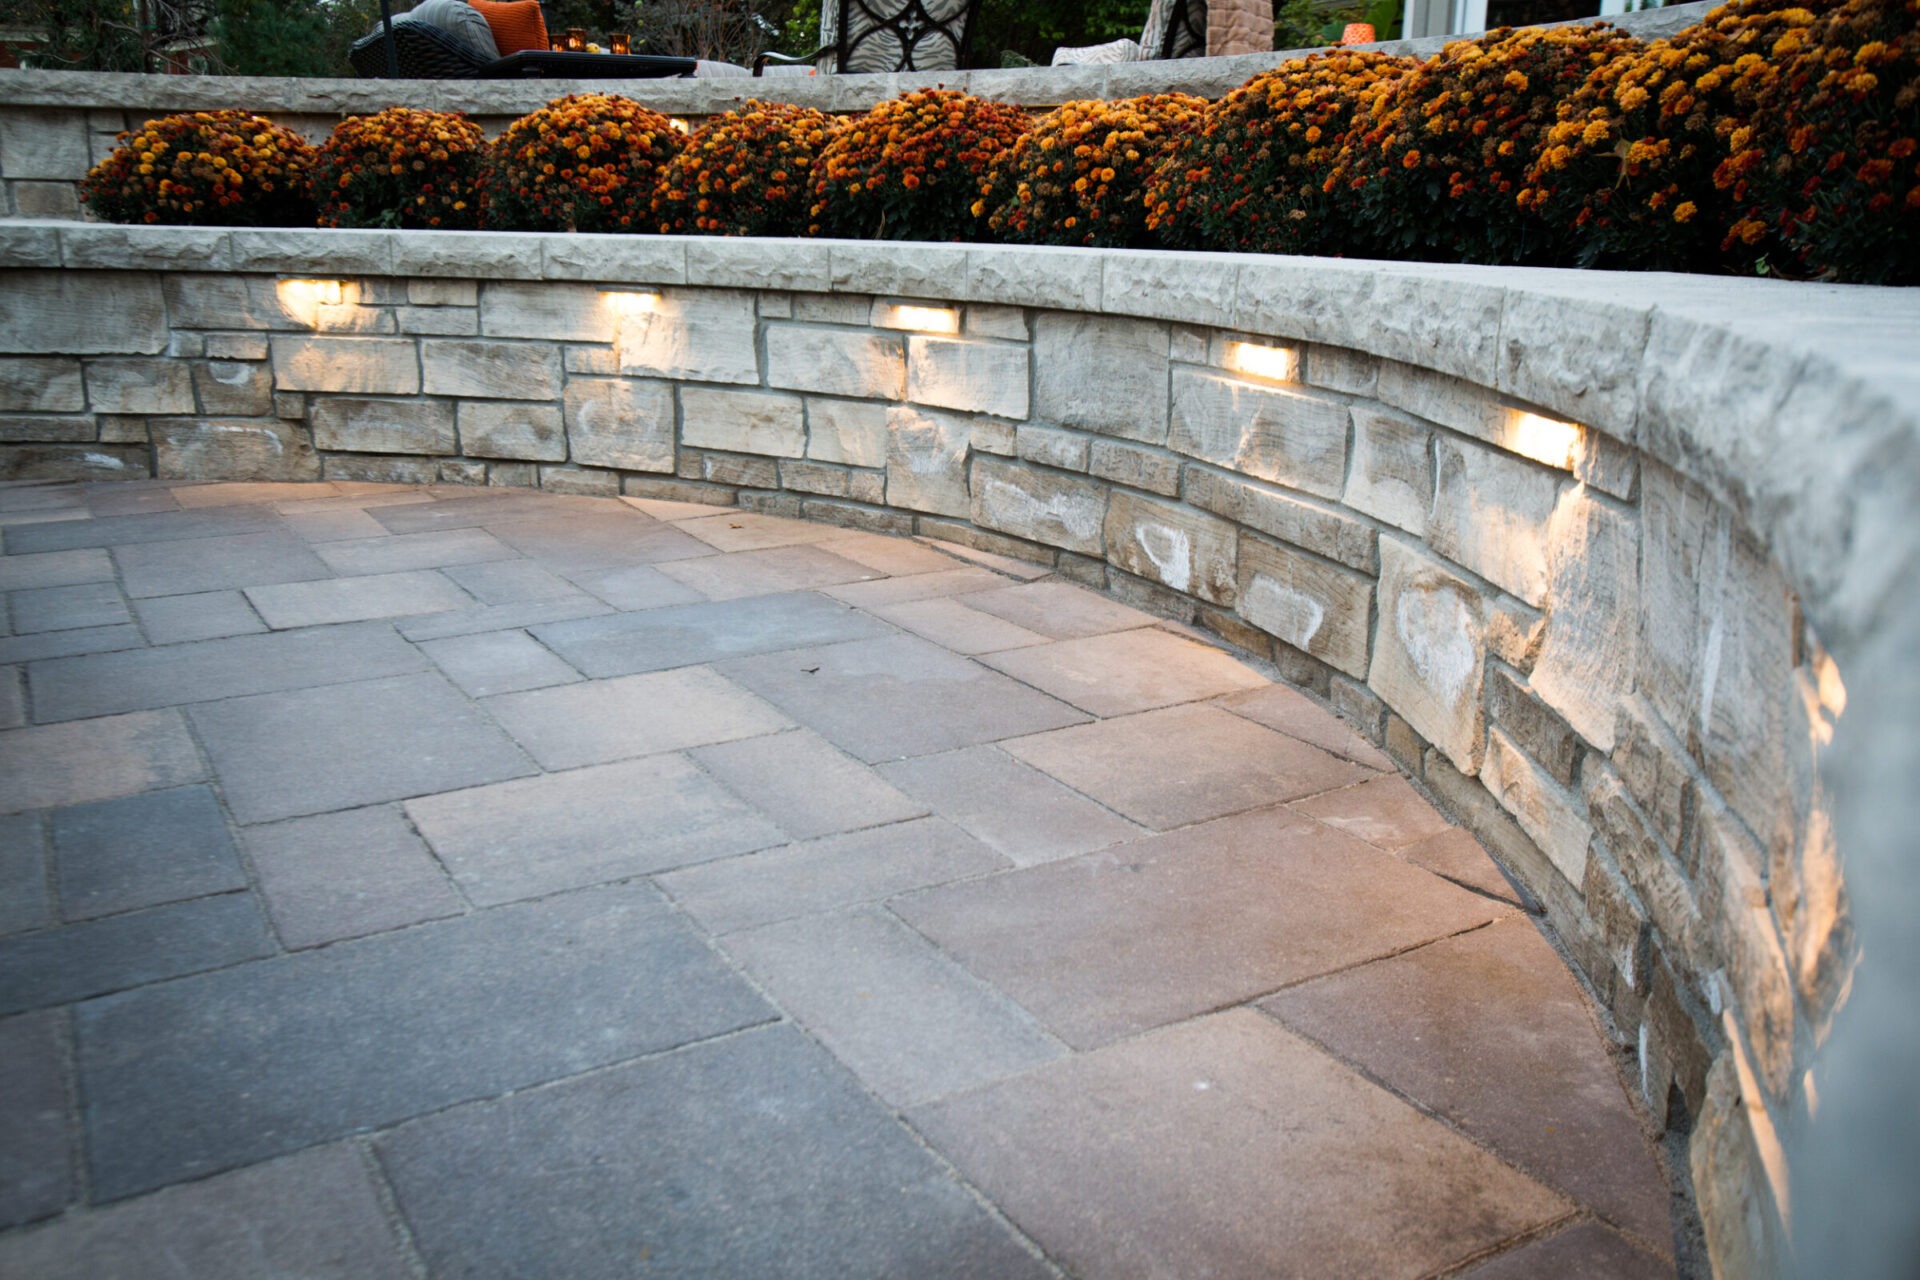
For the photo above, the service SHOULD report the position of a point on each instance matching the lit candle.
(576, 38)
(622, 42)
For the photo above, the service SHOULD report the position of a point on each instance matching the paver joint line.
(504, 881)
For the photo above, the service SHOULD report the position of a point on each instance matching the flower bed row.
(1771, 136)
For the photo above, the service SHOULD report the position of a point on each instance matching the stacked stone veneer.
(1576, 548)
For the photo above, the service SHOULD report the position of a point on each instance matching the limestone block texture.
(1429, 653)
(351, 424)
(620, 422)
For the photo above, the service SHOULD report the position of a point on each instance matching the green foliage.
(271, 38)
(85, 35)
(1035, 30)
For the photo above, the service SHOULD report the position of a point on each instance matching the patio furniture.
(887, 35)
(421, 51)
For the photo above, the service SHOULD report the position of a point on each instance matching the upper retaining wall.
(1588, 553)
(55, 125)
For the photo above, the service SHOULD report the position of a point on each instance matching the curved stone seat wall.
(1587, 553)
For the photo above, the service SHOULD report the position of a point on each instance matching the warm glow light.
(1282, 364)
(1542, 439)
(920, 319)
(303, 298)
(630, 303)
(680, 126)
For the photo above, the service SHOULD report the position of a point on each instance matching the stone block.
(755, 422)
(453, 471)
(868, 486)
(490, 370)
(1490, 514)
(186, 346)
(601, 360)
(1621, 922)
(580, 481)
(1270, 433)
(1039, 505)
(45, 200)
(240, 388)
(1197, 289)
(19, 428)
(523, 432)
(556, 312)
(438, 322)
(1342, 369)
(381, 469)
(927, 461)
(979, 377)
(1032, 276)
(1317, 607)
(774, 306)
(1190, 344)
(992, 436)
(196, 301)
(1102, 374)
(24, 244)
(625, 423)
(382, 426)
(246, 449)
(40, 143)
(1739, 1212)
(832, 308)
(1586, 661)
(351, 317)
(985, 321)
(83, 313)
(74, 462)
(357, 366)
(1392, 474)
(917, 270)
(706, 336)
(1733, 900)
(848, 516)
(1429, 651)
(814, 477)
(1606, 464)
(1440, 398)
(1581, 355)
(1551, 815)
(1321, 529)
(836, 362)
(115, 429)
(329, 253)
(519, 475)
(628, 259)
(290, 405)
(235, 346)
(1659, 883)
(443, 293)
(1051, 446)
(1175, 546)
(139, 386)
(745, 264)
(41, 385)
(1135, 466)
(1654, 766)
(850, 432)
(1544, 736)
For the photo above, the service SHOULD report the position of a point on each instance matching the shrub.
(587, 162)
(208, 168)
(745, 173)
(1252, 178)
(1831, 161)
(1437, 168)
(400, 168)
(1629, 165)
(912, 167)
(1080, 175)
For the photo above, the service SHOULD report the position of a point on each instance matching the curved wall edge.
(1622, 567)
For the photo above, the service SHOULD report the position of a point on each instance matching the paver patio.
(450, 882)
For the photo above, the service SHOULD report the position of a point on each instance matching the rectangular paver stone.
(572, 725)
(681, 635)
(189, 1078)
(345, 875)
(538, 836)
(355, 599)
(97, 759)
(79, 961)
(142, 851)
(36, 1138)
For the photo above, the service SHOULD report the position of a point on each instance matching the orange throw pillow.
(517, 25)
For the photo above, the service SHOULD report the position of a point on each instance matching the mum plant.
(400, 168)
(1629, 166)
(1079, 176)
(1252, 177)
(205, 168)
(912, 167)
(745, 173)
(1437, 167)
(1830, 163)
(586, 162)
